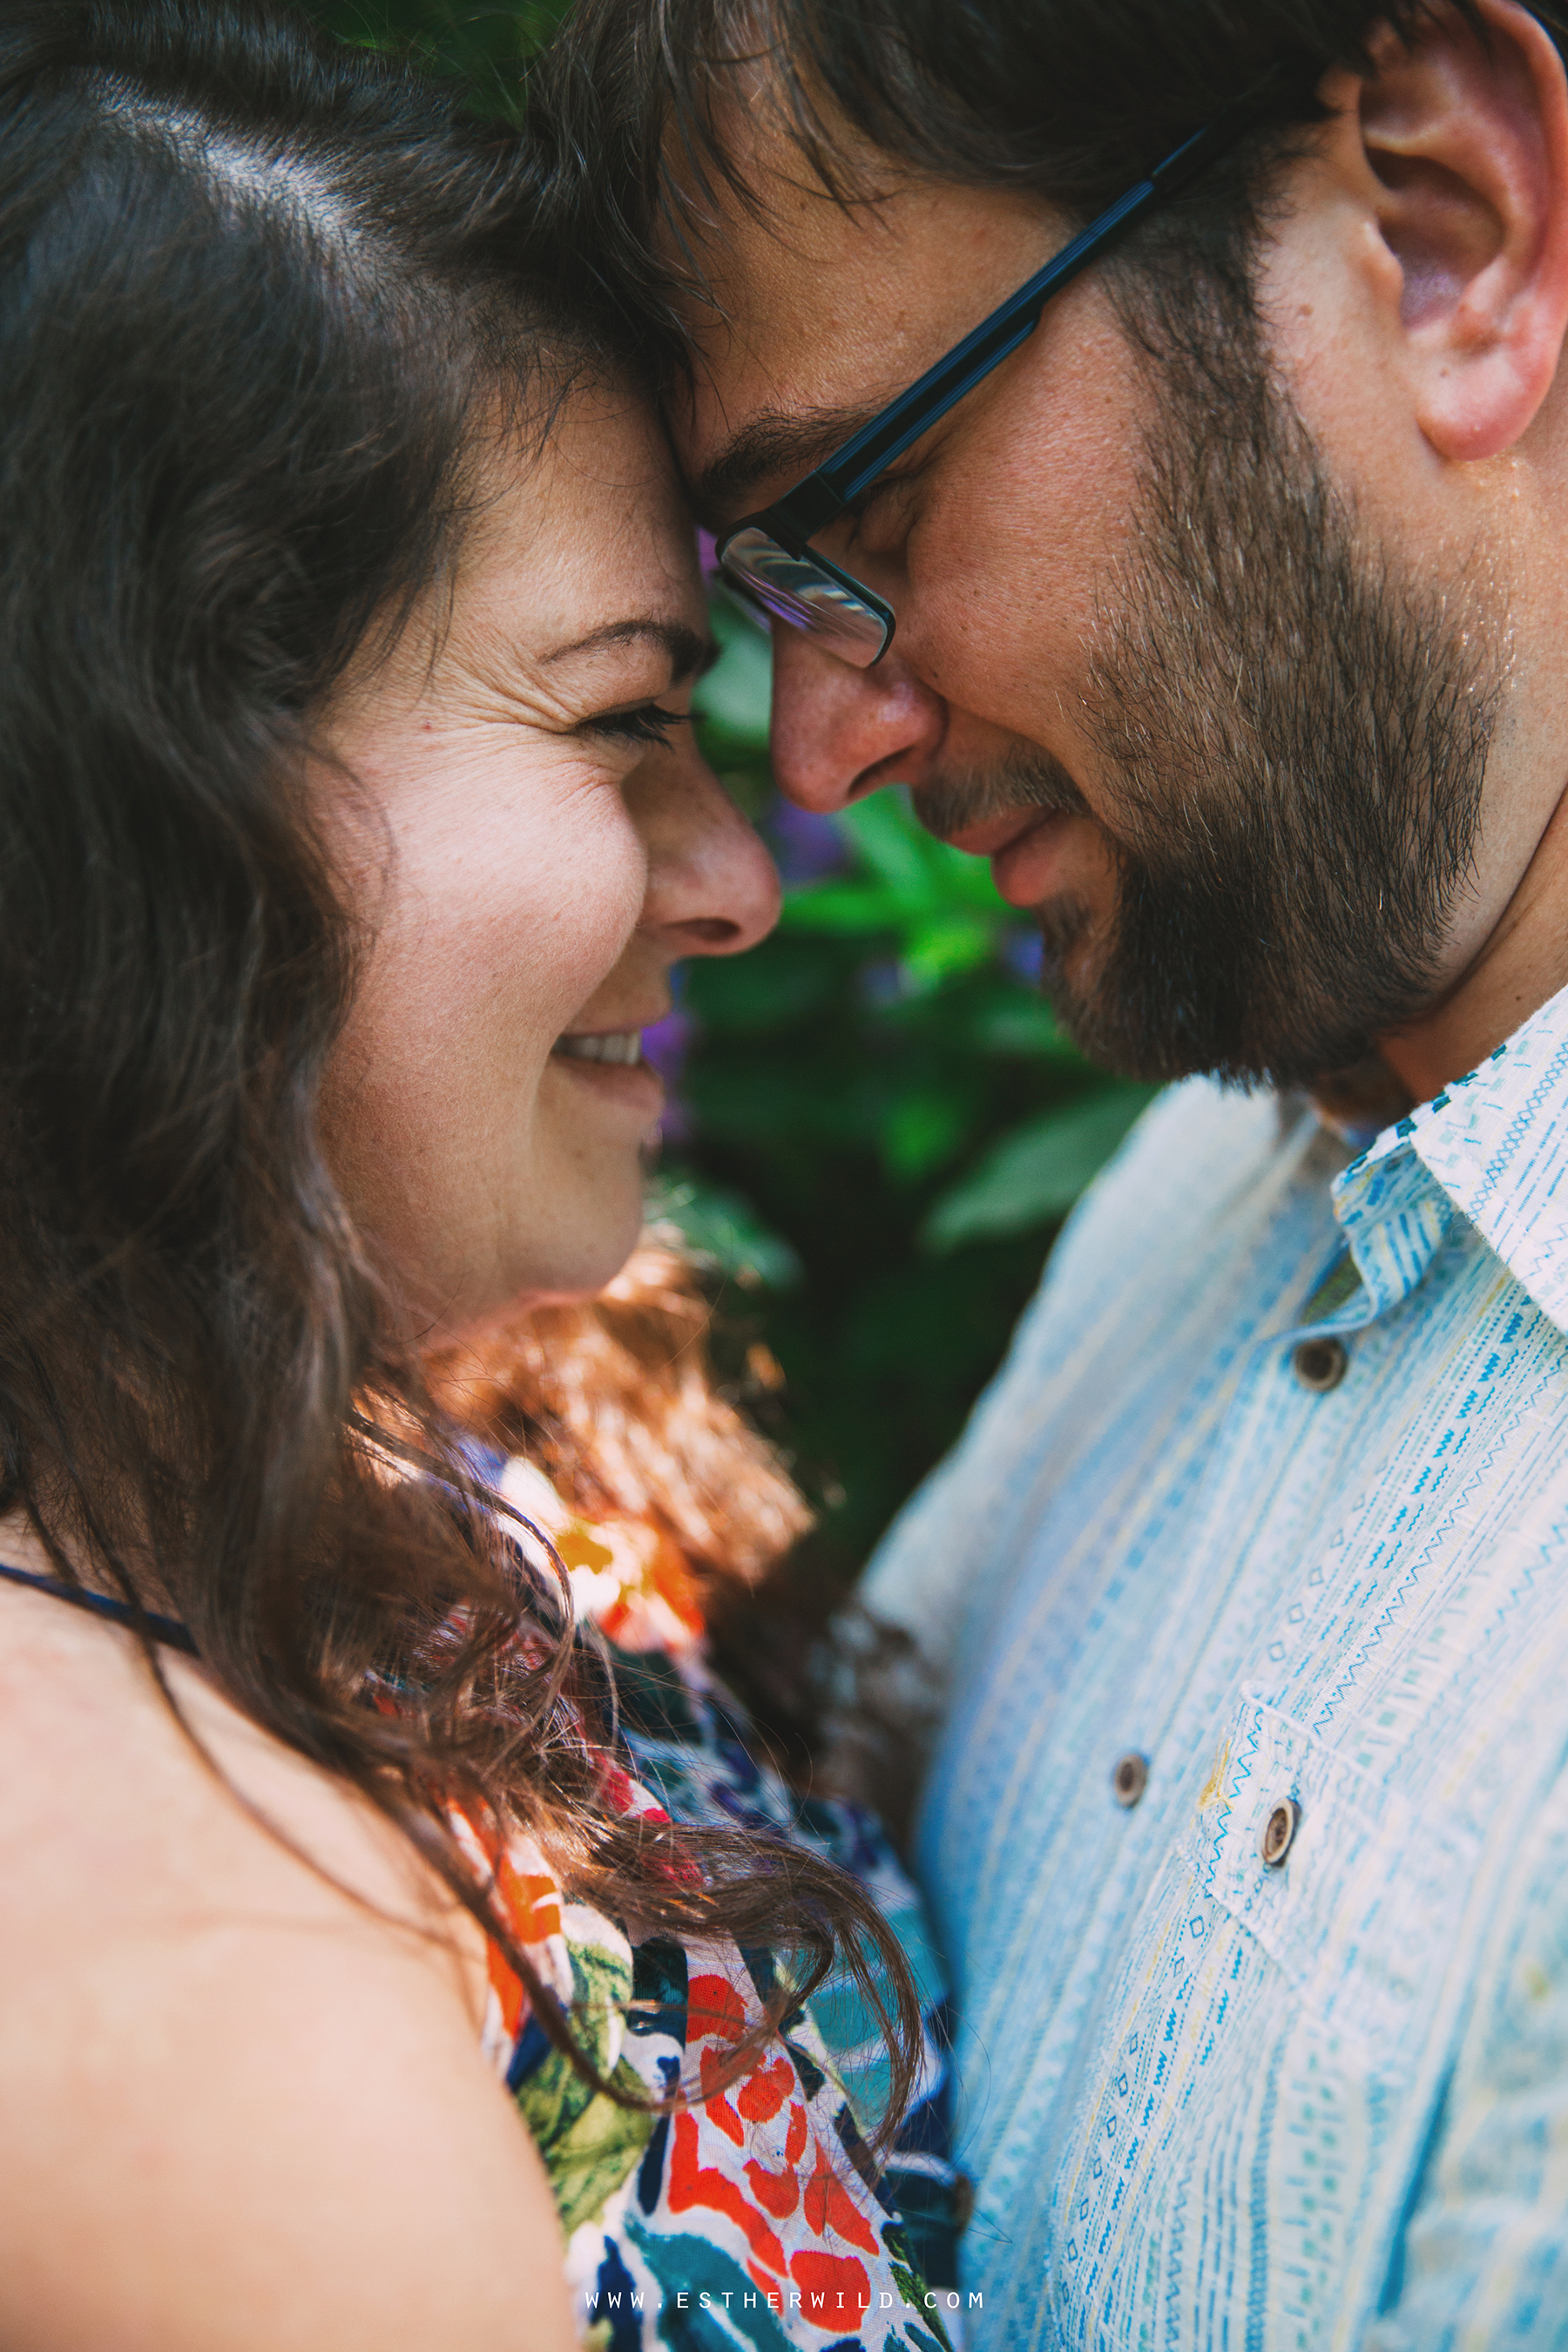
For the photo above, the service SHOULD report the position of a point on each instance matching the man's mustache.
(1032, 779)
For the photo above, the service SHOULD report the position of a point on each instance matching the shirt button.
(1129, 1778)
(1279, 1833)
(1320, 1364)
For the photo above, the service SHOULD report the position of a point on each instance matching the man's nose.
(840, 732)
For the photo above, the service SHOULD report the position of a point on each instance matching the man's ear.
(1465, 129)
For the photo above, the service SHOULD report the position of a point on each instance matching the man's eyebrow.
(770, 444)
(691, 653)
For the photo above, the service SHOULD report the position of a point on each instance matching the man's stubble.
(1295, 736)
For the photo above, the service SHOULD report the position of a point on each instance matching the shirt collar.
(1494, 1147)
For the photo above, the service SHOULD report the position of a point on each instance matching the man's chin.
(1132, 1025)
(1158, 1039)
(1158, 1008)
(1104, 1036)
(1080, 982)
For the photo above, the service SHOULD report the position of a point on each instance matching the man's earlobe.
(1465, 132)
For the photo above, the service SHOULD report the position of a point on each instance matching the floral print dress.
(755, 2217)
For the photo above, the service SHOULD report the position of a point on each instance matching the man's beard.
(1296, 738)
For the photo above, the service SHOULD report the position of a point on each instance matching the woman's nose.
(840, 732)
(712, 889)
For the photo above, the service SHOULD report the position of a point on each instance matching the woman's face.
(530, 840)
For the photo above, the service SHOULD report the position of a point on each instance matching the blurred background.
(875, 1127)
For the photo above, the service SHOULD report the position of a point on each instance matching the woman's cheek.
(546, 937)
(597, 906)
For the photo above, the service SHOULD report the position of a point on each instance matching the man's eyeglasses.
(767, 556)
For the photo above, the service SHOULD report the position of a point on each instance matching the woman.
(351, 828)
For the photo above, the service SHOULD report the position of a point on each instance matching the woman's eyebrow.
(691, 653)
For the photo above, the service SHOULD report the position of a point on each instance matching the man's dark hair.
(1072, 99)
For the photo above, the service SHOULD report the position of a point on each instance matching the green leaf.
(734, 701)
(765, 1100)
(897, 851)
(777, 985)
(1036, 1173)
(921, 872)
(942, 906)
(967, 879)
(1026, 1025)
(844, 909)
(723, 1230)
(940, 948)
(922, 1128)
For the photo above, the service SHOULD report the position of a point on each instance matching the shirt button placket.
(1280, 1833)
(1320, 1364)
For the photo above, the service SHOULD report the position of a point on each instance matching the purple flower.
(1024, 952)
(883, 982)
(807, 845)
(665, 1046)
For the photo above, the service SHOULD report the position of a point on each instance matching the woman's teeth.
(610, 1046)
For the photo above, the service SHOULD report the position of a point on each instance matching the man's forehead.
(821, 312)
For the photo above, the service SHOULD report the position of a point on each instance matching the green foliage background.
(879, 1125)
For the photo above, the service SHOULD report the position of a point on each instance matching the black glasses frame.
(858, 624)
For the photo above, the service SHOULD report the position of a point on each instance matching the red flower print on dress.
(764, 2093)
(692, 2183)
(829, 2206)
(835, 2290)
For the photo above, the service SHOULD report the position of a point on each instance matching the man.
(1226, 613)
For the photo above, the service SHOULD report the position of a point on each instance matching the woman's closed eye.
(648, 722)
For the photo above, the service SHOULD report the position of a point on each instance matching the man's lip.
(1021, 845)
(994, 834)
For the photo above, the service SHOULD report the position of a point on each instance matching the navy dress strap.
(167, 1630)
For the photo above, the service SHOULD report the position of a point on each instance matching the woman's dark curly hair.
(260, 300)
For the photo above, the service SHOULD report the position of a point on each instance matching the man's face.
(1183, 689)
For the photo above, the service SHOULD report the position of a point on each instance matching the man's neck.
(1521, 966)
(1358, 1102)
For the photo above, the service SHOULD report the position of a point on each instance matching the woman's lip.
(636, 1085)
(619, 1028)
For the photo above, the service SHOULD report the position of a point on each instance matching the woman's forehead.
(588, 535)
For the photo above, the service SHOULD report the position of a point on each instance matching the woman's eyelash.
(649, 723)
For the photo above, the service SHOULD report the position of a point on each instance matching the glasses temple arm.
(825, 492)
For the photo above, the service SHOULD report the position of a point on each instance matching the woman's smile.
(609, 1063)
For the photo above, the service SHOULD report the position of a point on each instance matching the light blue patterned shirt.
(1208, 2102)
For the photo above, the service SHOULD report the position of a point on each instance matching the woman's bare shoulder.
(240, 2104)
